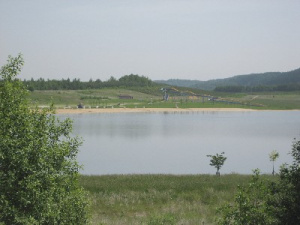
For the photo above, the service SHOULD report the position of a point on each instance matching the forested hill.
(76, 84)
(251, 80)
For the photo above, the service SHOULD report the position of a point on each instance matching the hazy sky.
(160, 39)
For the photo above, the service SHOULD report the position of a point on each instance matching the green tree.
(38, 168)
(286, 193)
(217, 161)
(263, 202)
(250, 205)
(273, 156)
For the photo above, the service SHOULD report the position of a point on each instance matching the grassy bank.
(269, 100)
(109, 97)
(160, 199)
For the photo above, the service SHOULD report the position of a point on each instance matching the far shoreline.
(148, 110)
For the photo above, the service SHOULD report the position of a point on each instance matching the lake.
(177, 143)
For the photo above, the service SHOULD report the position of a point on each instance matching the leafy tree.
(264, 202)
(250, 205)
(135, 80)
(38, 168)
(286, 200)
(273, 156)
(217, 161)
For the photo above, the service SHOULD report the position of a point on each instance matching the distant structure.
(125, 97)
(166, 95)
(188, 94)
(166, 92)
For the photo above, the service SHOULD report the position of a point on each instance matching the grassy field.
(101, 98)
(160, 199)
(274, 100)
(152, 98)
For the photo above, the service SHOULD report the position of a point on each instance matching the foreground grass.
(108, 97)
(160, 199)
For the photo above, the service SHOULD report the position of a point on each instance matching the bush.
(286, 193)
(250, 205)
(38, 167)
(268, 202)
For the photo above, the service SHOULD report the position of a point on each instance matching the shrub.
(250, 205)
(264, 202)
(286, 193)
(38, 167)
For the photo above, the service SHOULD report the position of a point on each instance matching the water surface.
(177, 143)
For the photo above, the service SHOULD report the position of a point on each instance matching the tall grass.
(159, 199)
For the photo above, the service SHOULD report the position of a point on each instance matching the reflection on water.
(177, 143)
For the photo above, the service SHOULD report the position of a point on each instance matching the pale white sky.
(160, 39)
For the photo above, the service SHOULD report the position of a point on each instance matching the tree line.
(76, 84)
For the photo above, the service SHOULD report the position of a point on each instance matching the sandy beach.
(147, 110)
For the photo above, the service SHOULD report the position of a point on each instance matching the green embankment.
(160, 199)
(269, 100)
(152, 98)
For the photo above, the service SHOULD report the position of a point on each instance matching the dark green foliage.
(217, 161)
(76, 84)
(135, 80)
(38, 168)
(250, 205)
(286, 199)
(263, 202)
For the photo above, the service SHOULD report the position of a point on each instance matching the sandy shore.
(147, 110)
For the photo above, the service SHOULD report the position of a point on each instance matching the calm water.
(177, 143)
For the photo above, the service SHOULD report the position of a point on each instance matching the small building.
(125, 97)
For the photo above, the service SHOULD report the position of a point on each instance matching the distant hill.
(250, 80)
